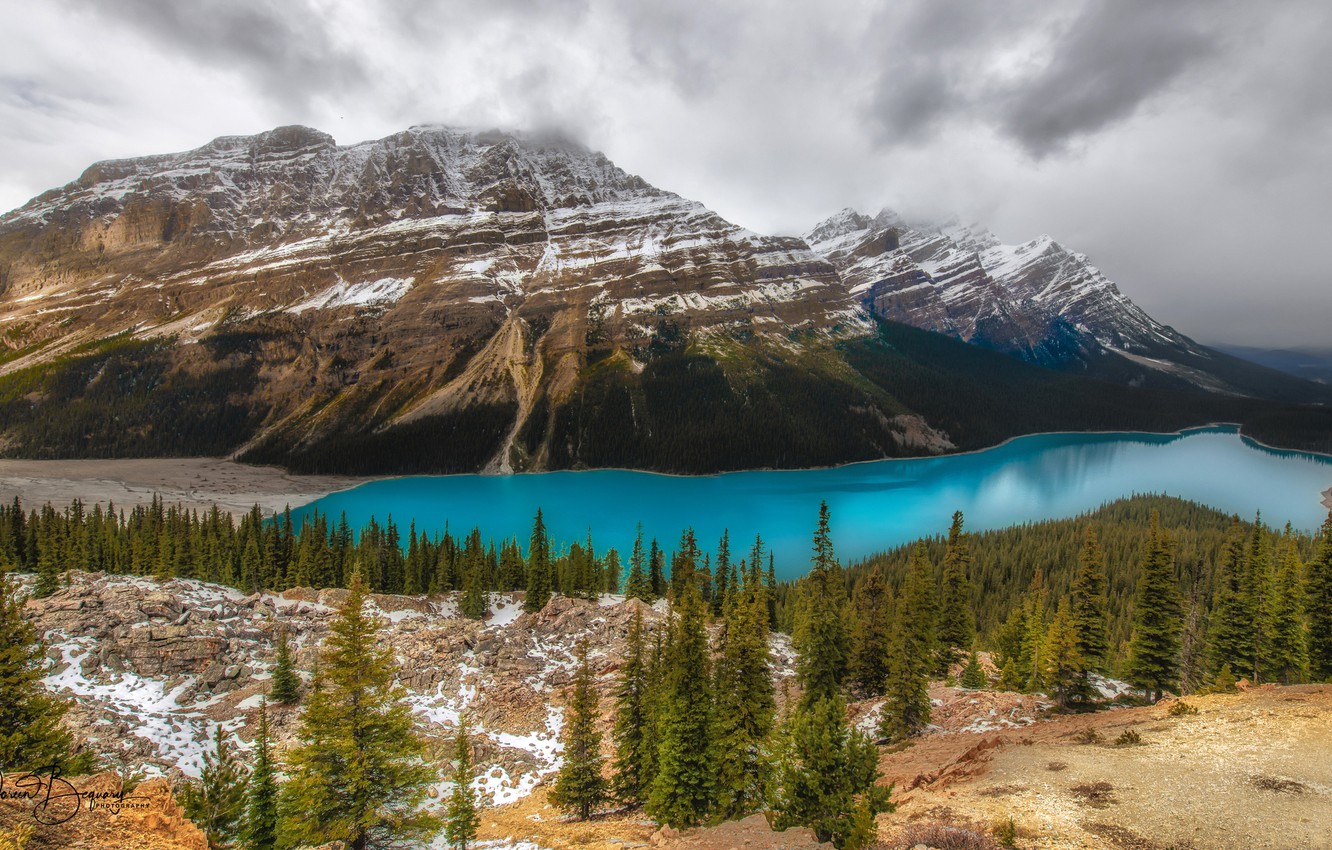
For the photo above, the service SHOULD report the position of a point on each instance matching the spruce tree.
(820, 636)
(657, 570)
(1256, 584)
(745, 706)
(216, 802)
(475, 602)
(1233, 619)
(1287, 652)
(872, 607)
(538, 567)
(357, 774)
(826, 771)
(31, 736)
(1089, 603)
(684, 790)
(906, 708)
(957, 622)
(259, 826)
(632, 717)
(1065, 672)
(973, 675)
(1153, 652)
(285, 683)
(1319, 604)
(579, 787)
(637, 585)
(462, 817)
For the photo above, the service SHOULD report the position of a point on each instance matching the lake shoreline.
(192, 483)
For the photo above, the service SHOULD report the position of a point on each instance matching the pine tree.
(683, 791)
(722, 581)
(475, 602)
(637, 585)
(1233, 618)
(820, 636)
(657, 570)
(1256, 585)
(1287, 652)
(973, 675)
(745, 706)
(1089, 602)
(825, 772)
(872, 606)
(957, 623)
(906, 709)
(1153, 660)
(538, 567)
(31, 736)
(216, 802)
(357, 774)
(631, 719)
(579, 787)
(1065, 672)
(1319, 604)
(286, 684)
(462, 817)
(259, 827)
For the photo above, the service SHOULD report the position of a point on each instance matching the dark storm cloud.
(284, 46)
(989, 66)
(1115, 57)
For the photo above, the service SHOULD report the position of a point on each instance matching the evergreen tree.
(579, 787)
(286, 684)
(826, 771)
(637, 585)
(357, 774)
(613, 571)
(722, 580)
(475, 602)
(957, 623)
(1153, 661)
(906, 710)
(872, 606)
(657, 570)
(745, 706)
(538, 567)
(632, 717)
(820, 636)
(1287, 652)
(1319, 604)
(1233, 619)
(462, 818)
(1089, 603)
(683, 790)
(259, 828)
(1256, 585)
(973, 676)
(216, 802)
(31, 736)
(1065, 672)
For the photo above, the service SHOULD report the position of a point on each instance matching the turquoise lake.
(875, 505)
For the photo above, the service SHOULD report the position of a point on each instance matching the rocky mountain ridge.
(508, 301)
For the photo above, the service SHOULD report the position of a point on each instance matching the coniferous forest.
(1168, 595)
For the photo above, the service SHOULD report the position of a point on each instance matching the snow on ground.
(1110, 688)
(503, 611)
(368, 294)
(181, 734)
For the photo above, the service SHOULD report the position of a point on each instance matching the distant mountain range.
(443, 300)
(1311, 364)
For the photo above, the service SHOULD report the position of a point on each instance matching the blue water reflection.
(874, 505)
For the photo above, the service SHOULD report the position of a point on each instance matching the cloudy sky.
(1186, 145)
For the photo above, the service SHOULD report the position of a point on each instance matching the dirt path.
(192, 482)
(1251, 770)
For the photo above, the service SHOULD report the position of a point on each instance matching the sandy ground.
(1251, 770)
(191, 482)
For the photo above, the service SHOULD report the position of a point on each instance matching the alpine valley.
(444, 301)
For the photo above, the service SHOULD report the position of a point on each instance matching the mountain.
(1311, 364)
(444, 300)
(1038, 301)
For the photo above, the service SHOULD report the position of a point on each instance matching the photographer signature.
(55, 800)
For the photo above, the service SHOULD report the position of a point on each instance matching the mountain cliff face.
(442, 301)
(1037, 300)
